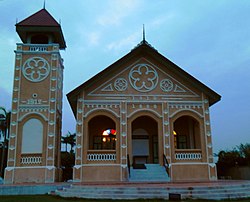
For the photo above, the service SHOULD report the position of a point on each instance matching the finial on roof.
(143, 33)
(44, 2)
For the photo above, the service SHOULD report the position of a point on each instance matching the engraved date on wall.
(34, 101)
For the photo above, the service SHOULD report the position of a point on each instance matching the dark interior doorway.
(145, 141)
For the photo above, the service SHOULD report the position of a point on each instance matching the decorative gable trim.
(117, 85)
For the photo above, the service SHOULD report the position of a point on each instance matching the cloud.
(93, 38)
(116, 11)
(125, 43)
(5, 98)
(158, 21)
(7, 60)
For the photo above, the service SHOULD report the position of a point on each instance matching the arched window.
(32, 140)
(186, 133)
(102, 133)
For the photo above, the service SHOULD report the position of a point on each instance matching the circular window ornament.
(166, 85)
(34, 95)
(121, 84)
(143, 77)
(36, 69)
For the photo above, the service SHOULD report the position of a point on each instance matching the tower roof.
(41, 22)
(40, 18)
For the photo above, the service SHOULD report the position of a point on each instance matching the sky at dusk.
(209, 39)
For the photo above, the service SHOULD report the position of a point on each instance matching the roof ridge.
(144, 42)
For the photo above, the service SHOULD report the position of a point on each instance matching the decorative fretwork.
(33, 108)
(101, 157)
(121, 84)
(166, 85)
(38, 48)
(31, 160)
(188, 156)
(185, 105)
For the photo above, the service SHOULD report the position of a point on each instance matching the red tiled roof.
(40, 18)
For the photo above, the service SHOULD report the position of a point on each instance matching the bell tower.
(35, 133)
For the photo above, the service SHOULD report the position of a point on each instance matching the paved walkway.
(33, 189)
(167, 184)
(156, 184)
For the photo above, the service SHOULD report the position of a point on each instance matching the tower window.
(39, 39)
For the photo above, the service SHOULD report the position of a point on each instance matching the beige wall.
(189, 172)
(39, 100)
(92, 173)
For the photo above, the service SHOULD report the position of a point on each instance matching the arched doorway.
(102, 133)
(145, 141)
(187, 133)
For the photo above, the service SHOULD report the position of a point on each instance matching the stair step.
(149, 192)
(153, 172)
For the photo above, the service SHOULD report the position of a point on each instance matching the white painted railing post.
(101, 157)
(188, 156)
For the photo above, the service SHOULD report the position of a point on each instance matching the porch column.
(79, 141)
(123, 140)
(166, 132)
(209, 148)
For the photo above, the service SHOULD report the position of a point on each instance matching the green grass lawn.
(49, 198)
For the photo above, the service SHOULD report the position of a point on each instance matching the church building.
(143, 118)
(143, 112)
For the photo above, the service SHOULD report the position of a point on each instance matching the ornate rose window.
(36, 69)
(143, 77)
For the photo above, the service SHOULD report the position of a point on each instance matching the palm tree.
(4, 129)
(72, 141)
(64, 140)
(69, 139)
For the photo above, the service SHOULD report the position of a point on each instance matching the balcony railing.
(188, 154)
(31, 159)
(38, 48)
(101, 155)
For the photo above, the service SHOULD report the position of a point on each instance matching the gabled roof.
(145, 49)
(41, 22)
(40, 18)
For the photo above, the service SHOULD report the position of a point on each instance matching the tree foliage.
(69, 139)
(5, 117)
(244, 150)
(67, 163)
(239, 156)
(68, 158)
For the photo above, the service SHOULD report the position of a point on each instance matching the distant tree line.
(238, 156)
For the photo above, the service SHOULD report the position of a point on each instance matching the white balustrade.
(188, 156)
(38, 48)
(31, 160)
(101, 157)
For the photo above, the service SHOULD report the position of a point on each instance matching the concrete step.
(153, 172)
(208, 190)
(160, 191)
